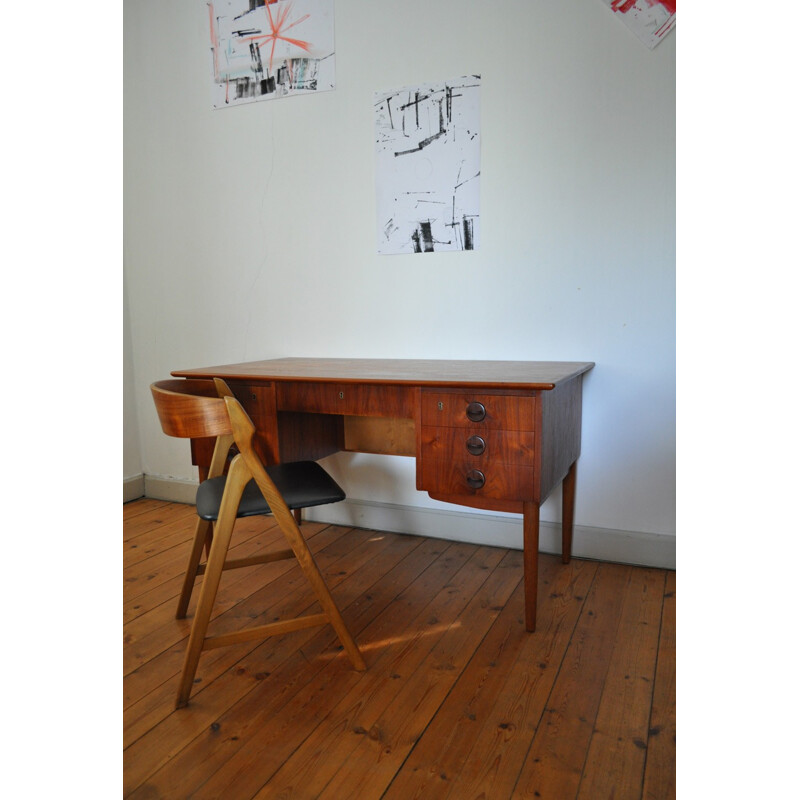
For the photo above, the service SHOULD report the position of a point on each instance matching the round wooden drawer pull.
(476, 445)
(475, 479)
(476, 412)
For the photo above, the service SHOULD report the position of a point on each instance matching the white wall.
(249, 231)
(133, 483)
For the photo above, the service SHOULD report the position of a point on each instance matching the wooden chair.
(302, 484)
(199, 409)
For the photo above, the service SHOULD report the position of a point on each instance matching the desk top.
(498, 374)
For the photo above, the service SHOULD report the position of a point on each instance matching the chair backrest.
(190, 409)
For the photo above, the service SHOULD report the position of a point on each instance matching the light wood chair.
(200, 409)
(302, 484)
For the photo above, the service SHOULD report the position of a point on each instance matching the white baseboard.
(132, 488)
(599, 544)
(171, 489)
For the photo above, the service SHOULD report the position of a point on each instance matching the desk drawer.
(463, 477)
(477, 410)
(375, 400)
(477, 446)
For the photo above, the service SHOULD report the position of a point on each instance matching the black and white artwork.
(428, 147)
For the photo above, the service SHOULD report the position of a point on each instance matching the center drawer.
(375, 400)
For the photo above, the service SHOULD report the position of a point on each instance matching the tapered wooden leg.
(201, 535)
(314, 576)
(530, 559)
(209, 539)
(567, 513)
(234, 486)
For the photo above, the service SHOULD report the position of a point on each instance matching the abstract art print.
(650, 20)
(266, 49)
(428, 166)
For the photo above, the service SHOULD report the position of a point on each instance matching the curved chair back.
(190, 409)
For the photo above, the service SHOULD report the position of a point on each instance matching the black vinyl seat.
(302, 484)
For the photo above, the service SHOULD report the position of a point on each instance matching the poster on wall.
(650, 20)
(266, 49)
(428, 147)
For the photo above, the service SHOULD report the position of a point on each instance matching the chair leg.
(209, 540)
(237, 479)
(201, 536)
(314, 576)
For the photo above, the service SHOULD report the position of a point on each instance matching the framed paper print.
(428, 147)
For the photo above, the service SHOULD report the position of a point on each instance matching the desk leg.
(567, 513)
(530, 558)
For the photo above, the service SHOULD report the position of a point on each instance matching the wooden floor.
(458, 701)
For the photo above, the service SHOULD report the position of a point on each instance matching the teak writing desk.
(496, 435)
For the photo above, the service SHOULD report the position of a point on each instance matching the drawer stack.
(477, 444)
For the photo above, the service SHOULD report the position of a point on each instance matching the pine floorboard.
(458, 701)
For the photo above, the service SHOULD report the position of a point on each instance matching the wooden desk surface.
(541, 375)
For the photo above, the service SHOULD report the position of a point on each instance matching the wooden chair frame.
(187, 409)
(204, 530)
